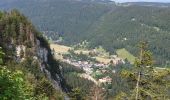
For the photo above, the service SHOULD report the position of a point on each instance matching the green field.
(123, 53)
(62, 49)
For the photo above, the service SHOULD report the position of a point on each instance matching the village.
(98, 70)
(95, 70)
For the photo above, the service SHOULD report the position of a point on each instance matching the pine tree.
(143, 64)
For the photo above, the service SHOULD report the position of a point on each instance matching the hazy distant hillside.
(102, 23)
(154, 4)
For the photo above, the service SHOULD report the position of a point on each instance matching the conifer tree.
(143, 64)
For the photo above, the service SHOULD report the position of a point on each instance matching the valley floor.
(98, 72)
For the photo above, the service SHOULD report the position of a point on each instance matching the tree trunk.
(137, 86)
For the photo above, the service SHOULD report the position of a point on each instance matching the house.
(106, 79)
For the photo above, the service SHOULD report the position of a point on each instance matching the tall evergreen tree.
(142, 63)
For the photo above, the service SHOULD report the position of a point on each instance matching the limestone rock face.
(21, 41)
(42, 55)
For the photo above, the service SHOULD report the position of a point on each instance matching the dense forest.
(104, 23)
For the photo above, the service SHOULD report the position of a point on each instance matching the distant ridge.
(155, 4)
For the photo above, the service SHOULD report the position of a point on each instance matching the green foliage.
(70, 68)
(152, 84)
(1, 56)
(33, 67)
(12, 85)
(16, 30)
(144, 62)
(76, 94)
(76, 83)
(45, 88)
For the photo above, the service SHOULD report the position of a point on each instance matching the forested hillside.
(126, 26)
(114, 26)
(70, 17)
(27, 67)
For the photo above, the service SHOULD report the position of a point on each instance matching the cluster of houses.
(88, 68)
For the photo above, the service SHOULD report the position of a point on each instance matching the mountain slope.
(26, 50)
(125, 27)
(70, 17)
(107, 24)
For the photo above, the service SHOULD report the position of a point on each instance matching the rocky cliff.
(20, 41)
